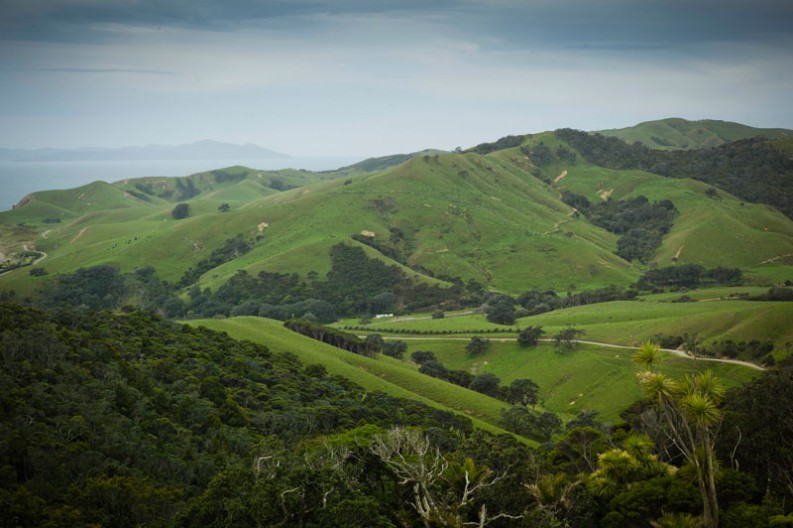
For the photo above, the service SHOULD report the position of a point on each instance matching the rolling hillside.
(676, 133)
(496, 218)
(592, 378)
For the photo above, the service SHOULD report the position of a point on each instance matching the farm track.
(25, 248)
(673, 351)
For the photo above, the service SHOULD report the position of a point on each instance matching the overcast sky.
(375, 77)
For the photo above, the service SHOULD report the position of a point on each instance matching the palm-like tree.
(690, 409)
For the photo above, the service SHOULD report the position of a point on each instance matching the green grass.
(475, 217)
(590, 378)
(397, 378)
(675, 133)
(424, 322)
(631, 322)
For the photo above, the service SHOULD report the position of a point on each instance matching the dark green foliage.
(395, 349)
(421, 357)
(486, 383)
(98, 288)
(434, 368)
(186, 189)
(646, 500)
(578, 449)
(228, 176)
(438, 314)
(357, 284)
(522, 391)
(390, 250)
(125, 420)
(334, 337)
(530, 336)
(757, 433)
(477, 346)
(501, 311)
(38, 272)
(522, 421)
(752, 169)
(689, 276)
(231, 249)
(536, 302)
(181, 210)
(374, 342)
(540, 154)
(224, 208)
(567, 340)
(279, 185)
(642, 224)
(501, 144)
(775, 293)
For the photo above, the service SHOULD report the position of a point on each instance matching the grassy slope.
(400, 379)
(676, 133)
(482, 217)
(591, 377)
(631, 322)
(717, 231)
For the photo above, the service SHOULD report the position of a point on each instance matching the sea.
(20, 178)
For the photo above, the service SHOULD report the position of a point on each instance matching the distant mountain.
(675, 133)
(199, 150)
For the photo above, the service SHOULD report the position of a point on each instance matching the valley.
(432, 269)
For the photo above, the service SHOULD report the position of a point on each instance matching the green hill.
(471, 216)
(493, 215)
(593, 378)
(676, 133)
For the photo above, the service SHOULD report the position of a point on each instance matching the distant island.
(199, 150)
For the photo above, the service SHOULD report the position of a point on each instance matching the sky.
(377, 77)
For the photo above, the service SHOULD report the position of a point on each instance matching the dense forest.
(131, 420)
(640, 224)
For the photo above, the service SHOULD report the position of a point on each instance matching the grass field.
(631, 322)
(589, 378)
(397, 378)
(592, 377)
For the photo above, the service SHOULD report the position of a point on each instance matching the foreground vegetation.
(131, 420)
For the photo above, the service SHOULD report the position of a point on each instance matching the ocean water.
(19, 178)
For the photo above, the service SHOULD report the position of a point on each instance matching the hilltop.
(676, 133)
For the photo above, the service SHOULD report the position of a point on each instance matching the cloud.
(375, 76)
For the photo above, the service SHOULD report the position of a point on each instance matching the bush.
(181, 210)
